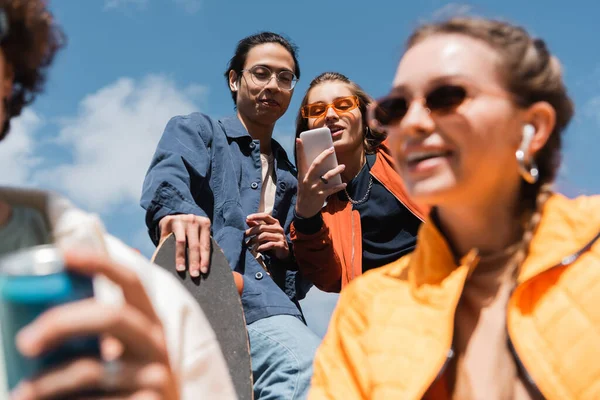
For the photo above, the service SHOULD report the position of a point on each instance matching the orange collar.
(566, 226)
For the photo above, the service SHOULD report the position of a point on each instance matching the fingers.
(198, 231)
(133, 289)
(333, 172)
(165, 227)
(328, 192)
(271, 245)
(262, 217)
(256, 229)
(192, 232)
(140, 336)
(131, 380)
(204, 249)
(193, 243)
(301, 159)
(266, 237)
(316, 164)
(180, 243)
(84, 374)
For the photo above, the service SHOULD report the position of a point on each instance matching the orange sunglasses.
(340, 106)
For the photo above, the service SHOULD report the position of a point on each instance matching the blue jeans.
(282, 350)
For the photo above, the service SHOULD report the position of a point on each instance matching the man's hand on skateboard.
(194, 231)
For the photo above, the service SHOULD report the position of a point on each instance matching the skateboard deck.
(217, 294)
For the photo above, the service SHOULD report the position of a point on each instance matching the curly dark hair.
(29, 46)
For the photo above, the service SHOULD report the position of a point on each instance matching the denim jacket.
(212, 168)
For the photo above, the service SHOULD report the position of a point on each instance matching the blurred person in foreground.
(155, 343)
(500, 298)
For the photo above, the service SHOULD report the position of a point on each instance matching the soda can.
(32, 281)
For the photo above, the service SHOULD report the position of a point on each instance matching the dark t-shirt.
(389, 229)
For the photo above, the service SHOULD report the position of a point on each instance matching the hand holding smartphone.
(315, 142)
(319, 174)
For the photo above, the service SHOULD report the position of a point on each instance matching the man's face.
(261, 97)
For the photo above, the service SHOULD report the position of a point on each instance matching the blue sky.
(132, 64)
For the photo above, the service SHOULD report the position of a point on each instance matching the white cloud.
(113, 138)
(112, 4)
(17, 150)
(591, 109)
(452, 10)
(190, 6)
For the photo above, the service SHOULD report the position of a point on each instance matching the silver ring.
(111, 377)
(325, 181)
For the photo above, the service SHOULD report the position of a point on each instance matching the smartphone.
(32, 281)
(316, 141)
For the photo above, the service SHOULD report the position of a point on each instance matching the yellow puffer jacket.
(391, 333)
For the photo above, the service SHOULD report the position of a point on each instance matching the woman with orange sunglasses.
(368, 221)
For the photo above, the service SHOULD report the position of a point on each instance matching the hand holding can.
(134, 357)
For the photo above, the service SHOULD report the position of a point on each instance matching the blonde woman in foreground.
(500, 298)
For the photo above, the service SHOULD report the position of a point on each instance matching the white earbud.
(528, 132)
(235, 86)
(527, 166)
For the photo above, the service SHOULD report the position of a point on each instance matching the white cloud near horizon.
(113, 4)
(189, 6)
(112, 139)
(17, 157)
(452, 10)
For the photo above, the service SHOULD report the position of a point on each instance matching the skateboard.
(217, 294)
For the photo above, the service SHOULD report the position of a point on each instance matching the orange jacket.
(332, 257)
(391, 333)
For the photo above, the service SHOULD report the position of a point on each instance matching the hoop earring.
(527, 168)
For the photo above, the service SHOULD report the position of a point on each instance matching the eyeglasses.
(391, 109)
(340, 106)
(262, 75)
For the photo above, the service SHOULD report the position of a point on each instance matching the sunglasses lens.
(314, 110)
(390, 110)
(345, 104)
(446, 98)
(317, 110)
